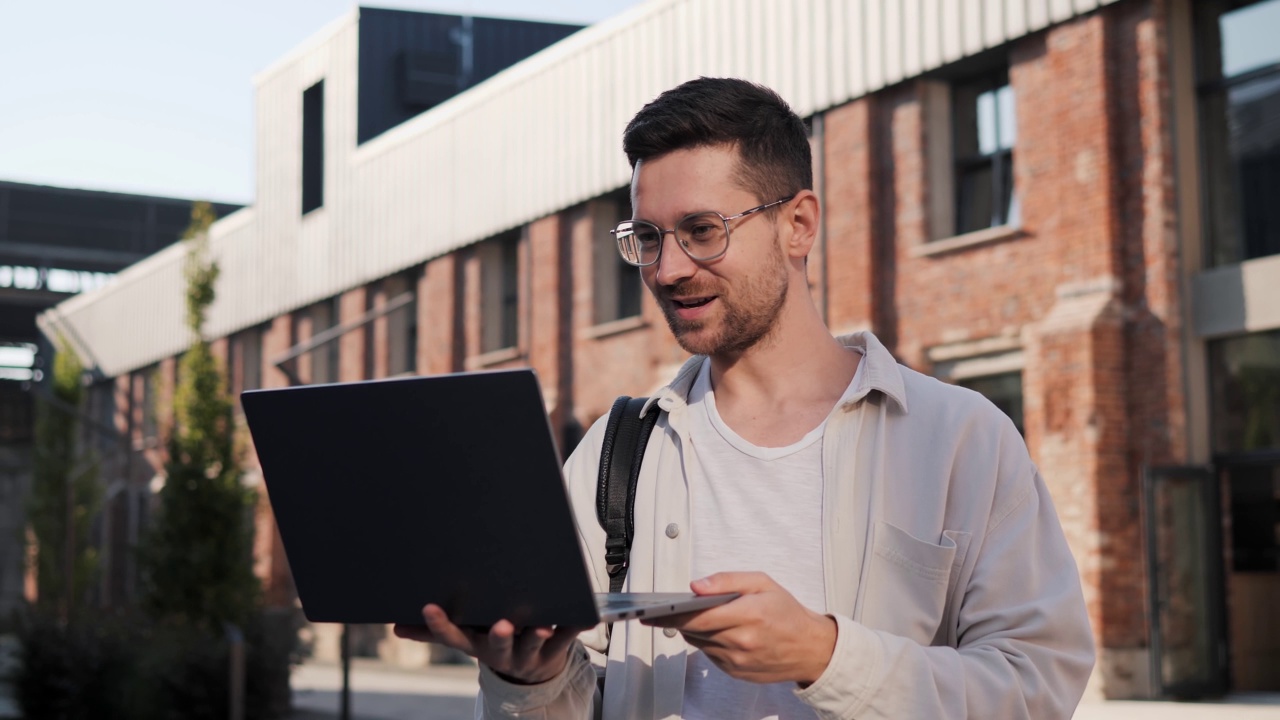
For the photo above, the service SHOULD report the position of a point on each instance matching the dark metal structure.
(54, 243)
(411, 61)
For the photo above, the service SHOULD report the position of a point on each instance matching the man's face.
(726, 305)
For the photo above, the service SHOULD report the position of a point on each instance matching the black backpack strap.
(625, 437)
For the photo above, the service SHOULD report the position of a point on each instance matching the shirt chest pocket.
(908, 582)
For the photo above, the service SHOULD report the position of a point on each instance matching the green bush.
(127, 667)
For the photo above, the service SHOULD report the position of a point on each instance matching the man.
(896, 551)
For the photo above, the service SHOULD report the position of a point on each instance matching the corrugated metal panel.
(536, 138)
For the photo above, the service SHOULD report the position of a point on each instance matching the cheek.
(649, 276)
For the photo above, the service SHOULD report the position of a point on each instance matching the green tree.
(65, 494)
(197, 555)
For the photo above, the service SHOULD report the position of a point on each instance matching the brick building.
(1069, 207)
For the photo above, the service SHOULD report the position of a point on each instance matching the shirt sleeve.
(1024, 650)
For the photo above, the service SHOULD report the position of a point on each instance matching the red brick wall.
(351, 346)
(849, 182)
(440, 316)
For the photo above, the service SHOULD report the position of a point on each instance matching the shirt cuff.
(845, 687)
(514, 698)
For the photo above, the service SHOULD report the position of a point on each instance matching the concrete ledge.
(1237, 299)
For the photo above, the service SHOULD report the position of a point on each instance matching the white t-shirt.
(753, 509)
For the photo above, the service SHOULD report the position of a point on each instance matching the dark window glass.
(1003, 390)
(324, 357)
(150, 380)
(1245, 376)
(617, 286)
(313, 147)
(251, 359)
(1239, 87)
(1255, 516)
(510, 292)
(630, 289)
(370, 335)
(402, 325)
(983, 121)
(500, 292)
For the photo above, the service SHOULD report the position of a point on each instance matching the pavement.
(447, 692)
(385, 692)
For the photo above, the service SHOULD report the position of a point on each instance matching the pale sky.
(155, 96)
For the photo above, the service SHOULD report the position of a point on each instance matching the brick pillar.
(440, 316)
(549, 314)
(351, 346)
(850, 198)
(1081, 183)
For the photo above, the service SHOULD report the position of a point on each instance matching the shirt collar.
(880, 373)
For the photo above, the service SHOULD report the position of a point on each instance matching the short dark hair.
(773, 145)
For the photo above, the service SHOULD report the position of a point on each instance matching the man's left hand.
(765, 636)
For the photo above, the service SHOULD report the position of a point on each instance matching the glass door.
(1184, 559)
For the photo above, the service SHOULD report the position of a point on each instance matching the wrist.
(823, 644)
(541, 675)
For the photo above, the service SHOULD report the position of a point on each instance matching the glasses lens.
(704, 236)
(638, 242)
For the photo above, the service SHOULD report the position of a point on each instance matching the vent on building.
(429, 77)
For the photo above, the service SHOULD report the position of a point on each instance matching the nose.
(673, 263)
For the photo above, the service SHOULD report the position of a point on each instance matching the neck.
(798, 362)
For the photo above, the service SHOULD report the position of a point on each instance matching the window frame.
(1224, 213)
(501, 268)
(616, 288)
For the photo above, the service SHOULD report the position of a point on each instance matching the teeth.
(693, 303)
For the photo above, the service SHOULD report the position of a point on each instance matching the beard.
(744, 317)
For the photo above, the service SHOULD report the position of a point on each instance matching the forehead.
(680, 182)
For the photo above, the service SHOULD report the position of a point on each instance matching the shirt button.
(673, 530)
(670, 632)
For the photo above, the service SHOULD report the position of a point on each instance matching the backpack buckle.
(615, 556)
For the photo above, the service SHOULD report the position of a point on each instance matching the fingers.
(672, 621)
(560, 640)
(446, 632)
(420, 633)
(739, 582)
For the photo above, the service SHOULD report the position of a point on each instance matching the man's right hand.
(529, 656)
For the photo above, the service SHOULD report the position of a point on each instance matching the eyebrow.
(681, 217)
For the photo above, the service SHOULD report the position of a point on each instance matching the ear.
(802, 217)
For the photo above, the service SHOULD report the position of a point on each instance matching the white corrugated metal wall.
(535, 139)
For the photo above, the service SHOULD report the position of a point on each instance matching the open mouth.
(692, 302)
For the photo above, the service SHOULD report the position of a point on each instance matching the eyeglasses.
(702, 236)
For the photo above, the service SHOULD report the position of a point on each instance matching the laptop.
(391, 494)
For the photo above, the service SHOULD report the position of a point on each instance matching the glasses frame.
(662, 234)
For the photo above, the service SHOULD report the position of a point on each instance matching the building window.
(984, 130)
(1245, 396)
(1003, 390)
(1238, 73)
(402, 325)
(313, 147)
(990, 366)
(500, 292)
(616, 286)
(1255, 515)
(244, 364)
(324, 357)
(150, 382)
(251, 359)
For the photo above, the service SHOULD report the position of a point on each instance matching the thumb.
(730, 582)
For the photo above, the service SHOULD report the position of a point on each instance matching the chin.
(696, 341)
